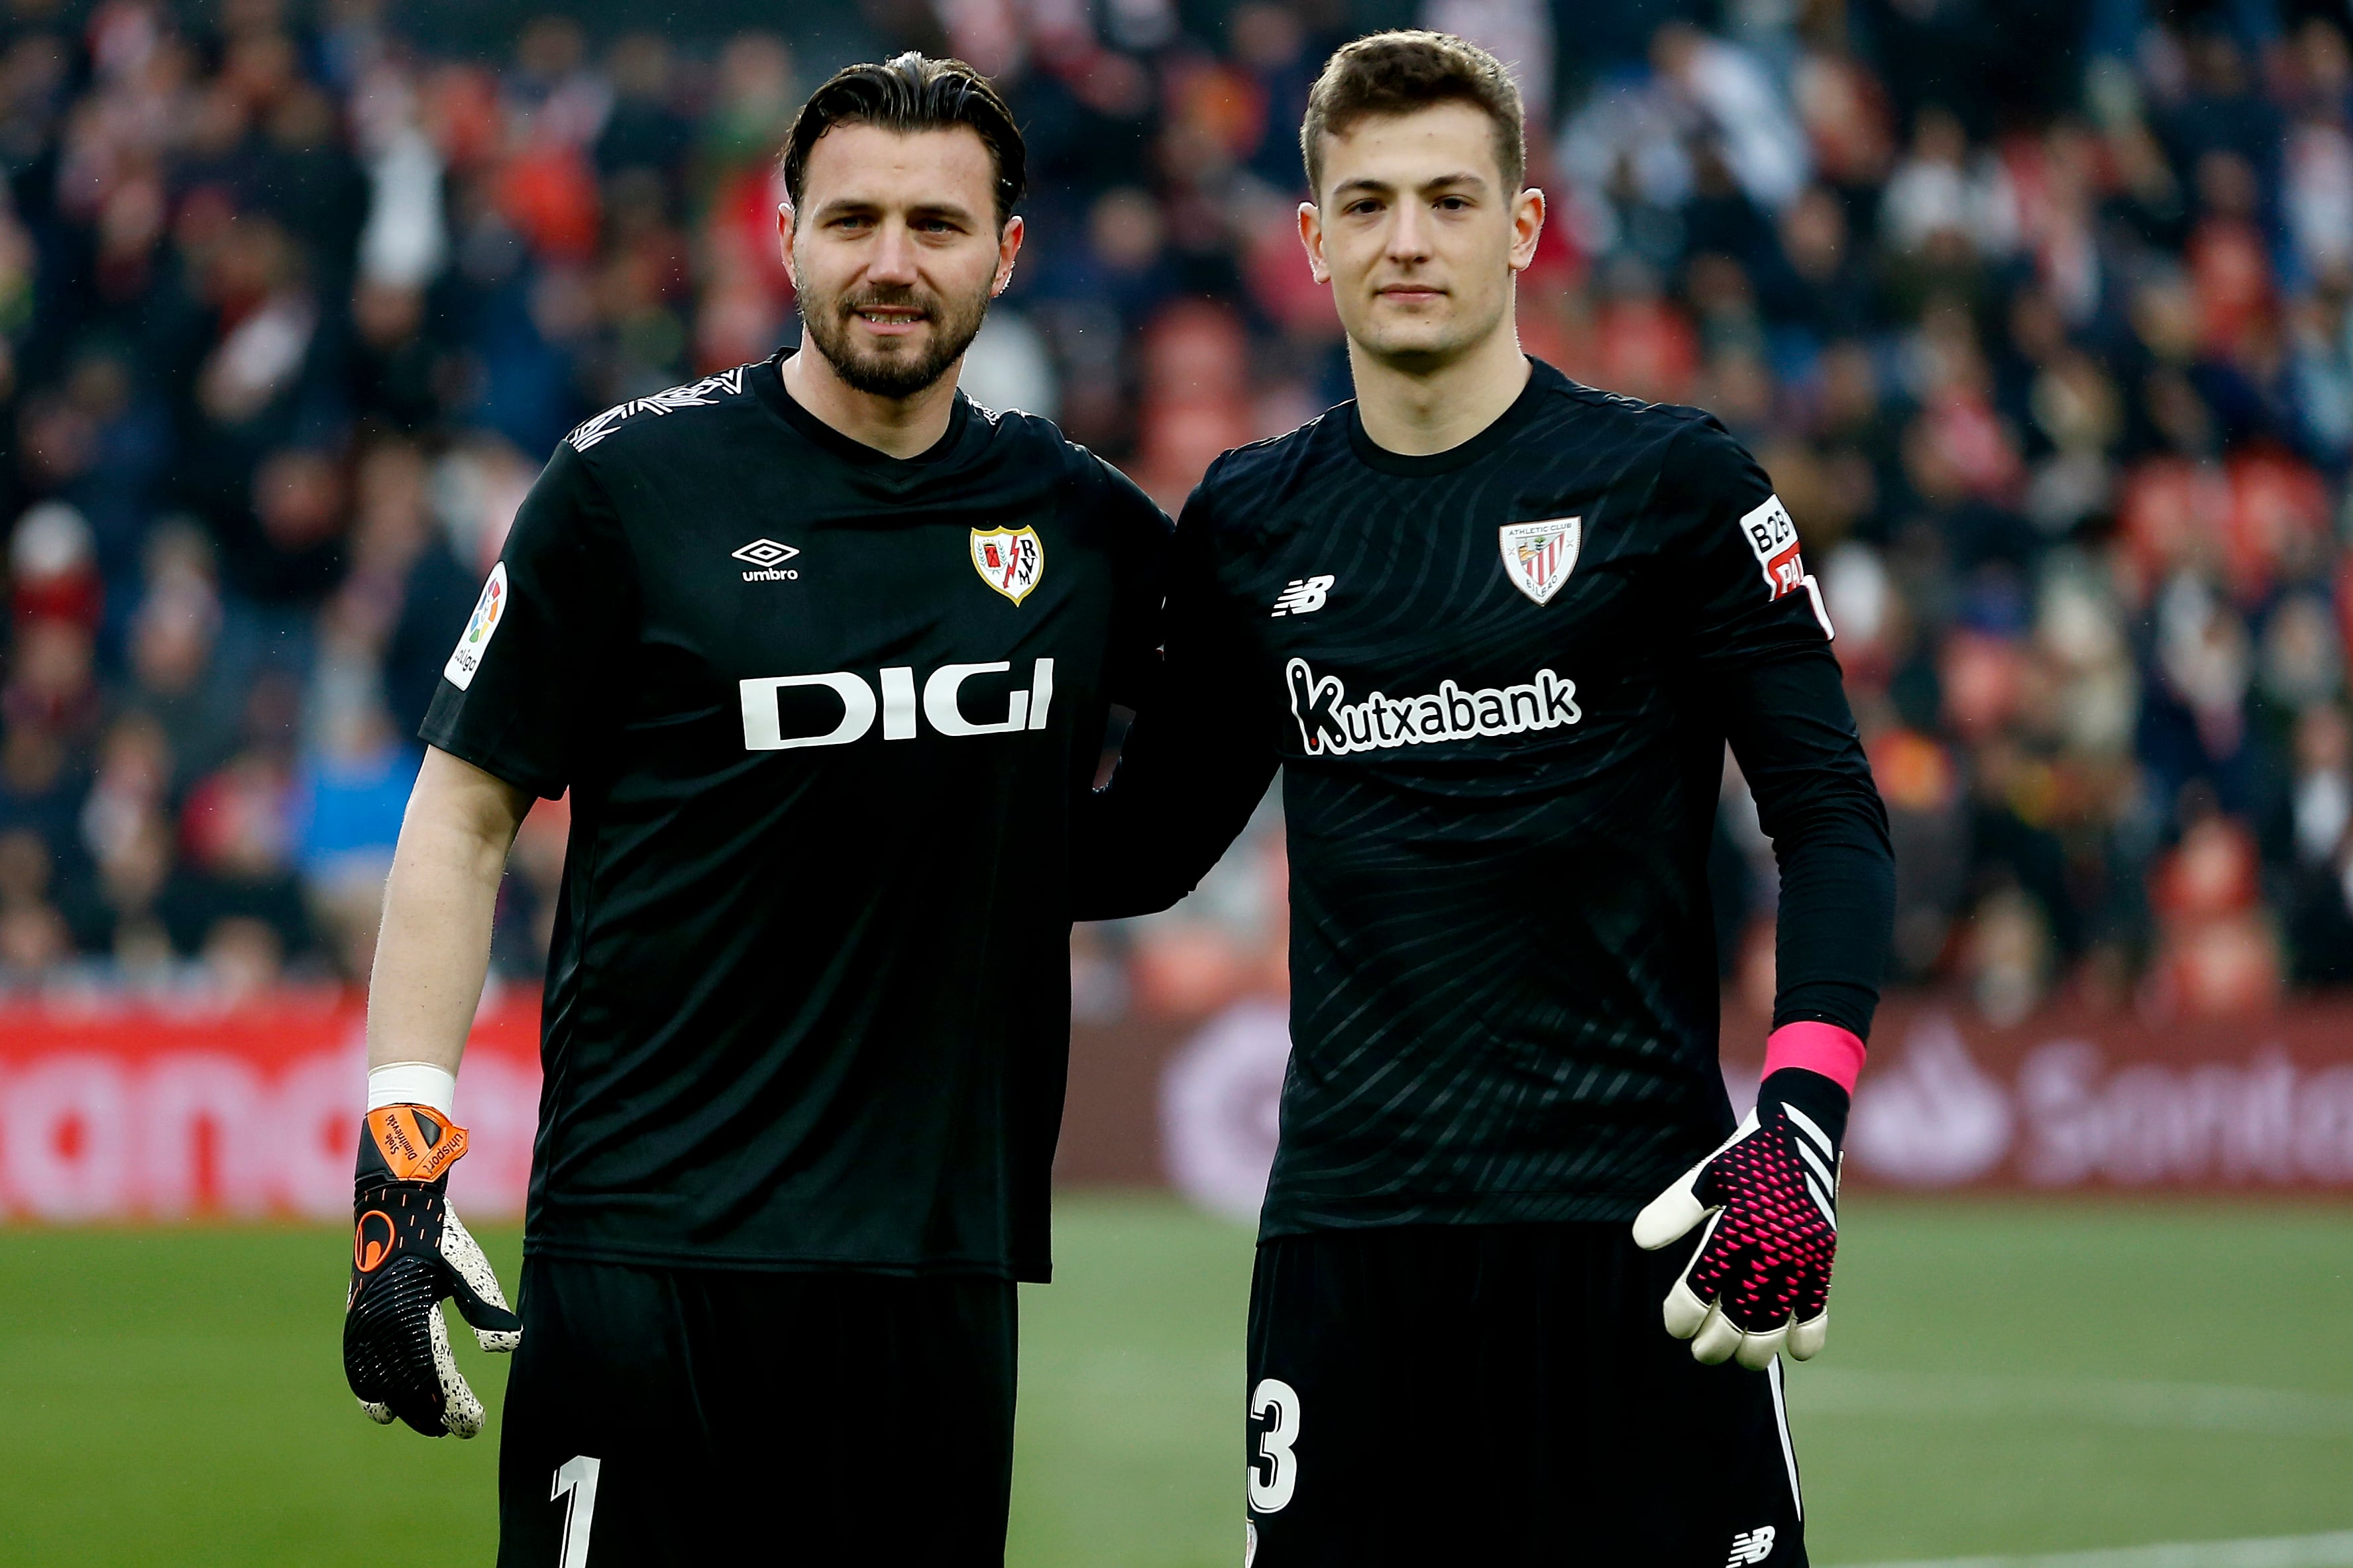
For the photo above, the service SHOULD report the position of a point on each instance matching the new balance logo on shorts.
(1751, 1546)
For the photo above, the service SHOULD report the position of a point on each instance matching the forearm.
(1836, 918)
(1115, 872)
(1169, 812)
(434, 949)
(1796, 745)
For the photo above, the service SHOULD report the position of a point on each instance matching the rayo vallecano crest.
(1008, 560)
(1538, 556)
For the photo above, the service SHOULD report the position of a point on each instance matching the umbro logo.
(1302, 596)
(767, 556)
(1751, 1546)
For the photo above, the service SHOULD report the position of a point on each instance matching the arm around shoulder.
(1194, 766)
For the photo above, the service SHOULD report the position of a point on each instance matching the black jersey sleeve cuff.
(547, 786)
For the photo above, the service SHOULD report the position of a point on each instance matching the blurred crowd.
(2040, 316)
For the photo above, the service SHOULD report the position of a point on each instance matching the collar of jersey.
(768, 383)
(1542, 378)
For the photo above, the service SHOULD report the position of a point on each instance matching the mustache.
(925, 304)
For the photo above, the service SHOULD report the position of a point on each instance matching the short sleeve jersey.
(1499, 681)
(821, 712)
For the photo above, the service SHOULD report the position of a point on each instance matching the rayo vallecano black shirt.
(1499, 681)
(821, 712)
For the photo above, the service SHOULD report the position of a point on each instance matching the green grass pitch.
(2000, 1378)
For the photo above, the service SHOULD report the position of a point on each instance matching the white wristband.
(413, 1083)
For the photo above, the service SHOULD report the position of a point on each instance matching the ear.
(1311, 238)
(1008, 246)
(1528, 224)
(785, 237)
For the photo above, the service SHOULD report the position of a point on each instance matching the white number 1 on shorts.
(1279, 1402)
(576, 1482)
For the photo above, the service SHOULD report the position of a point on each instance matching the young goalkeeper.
(1496, 629)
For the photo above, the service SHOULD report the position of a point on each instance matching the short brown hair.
(1400, 72)
(908, 94)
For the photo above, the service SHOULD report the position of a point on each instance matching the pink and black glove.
(1759, 1280)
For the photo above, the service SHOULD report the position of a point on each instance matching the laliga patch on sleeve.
(488, 611)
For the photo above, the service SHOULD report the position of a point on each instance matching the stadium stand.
(2042, 317)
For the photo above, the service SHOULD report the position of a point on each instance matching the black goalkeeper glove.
(1760, 1279)
(408, 1250)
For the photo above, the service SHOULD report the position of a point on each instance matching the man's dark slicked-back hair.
(908, 94)
(1400, 72)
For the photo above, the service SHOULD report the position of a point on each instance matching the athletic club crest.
(1008, 560)
(1538, 556)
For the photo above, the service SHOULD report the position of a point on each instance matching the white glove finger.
(1717, 1339)
(461, 1412)
(1684, 1311)
(379, 1414)
(464, 1256)
(1755, 1351)
(1669, 1216)
(1806, 1338)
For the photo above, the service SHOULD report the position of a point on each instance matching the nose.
(1410, 233)
(895, 255)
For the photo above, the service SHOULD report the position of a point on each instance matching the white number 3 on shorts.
(1270, 1486)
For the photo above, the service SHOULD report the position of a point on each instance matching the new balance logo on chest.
(1751, 1546)
(1302, 596)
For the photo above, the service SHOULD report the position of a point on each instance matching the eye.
(1454, 203)
(1360, 206)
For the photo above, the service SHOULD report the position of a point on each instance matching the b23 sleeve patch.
(1772, 536)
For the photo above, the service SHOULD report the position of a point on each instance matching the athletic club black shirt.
(1499, 681)
(822, 712)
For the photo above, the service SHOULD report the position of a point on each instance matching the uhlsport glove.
(408, 1250)
(1761, 1278)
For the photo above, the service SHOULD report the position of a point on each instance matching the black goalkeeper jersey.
(1499, 681)
(821, 712)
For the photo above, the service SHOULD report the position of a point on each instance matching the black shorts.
(1501, 1394)
(708, 1417)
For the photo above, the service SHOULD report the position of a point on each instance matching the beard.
(893, 369)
